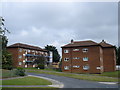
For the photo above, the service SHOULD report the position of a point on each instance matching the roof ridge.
(25, 46)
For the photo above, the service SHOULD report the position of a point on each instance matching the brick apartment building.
(24, 55)
(88, 57)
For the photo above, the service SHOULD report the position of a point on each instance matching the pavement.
(76, 83)
(66, 82)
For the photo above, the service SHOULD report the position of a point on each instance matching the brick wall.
(93, 55)
(109, 59)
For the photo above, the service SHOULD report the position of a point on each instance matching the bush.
(8, 67)
(41, 66)
(20, 71)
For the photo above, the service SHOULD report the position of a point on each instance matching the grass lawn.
(31, 87)
(110, 74)
(26, 81)
(8, 73)
(79, 76)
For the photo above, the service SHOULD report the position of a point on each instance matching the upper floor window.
(66, 67)
(20, 50)
(66, 59)
(20, 56)
(85, 49)
(86, 67)
(76, 58)
(28, 50)
(66, 51)
(85, 59)
(33, 51)
(75, 49)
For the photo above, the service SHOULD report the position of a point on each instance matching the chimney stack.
(72, 41)
(103, 41)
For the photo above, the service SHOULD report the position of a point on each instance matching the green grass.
(110, 74)
(26, 81)
(79, 76)
(31, 87)
(8, 73)
(46, 69)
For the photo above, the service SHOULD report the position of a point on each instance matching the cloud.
(57, 23)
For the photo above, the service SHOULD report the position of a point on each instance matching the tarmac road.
(76, 83)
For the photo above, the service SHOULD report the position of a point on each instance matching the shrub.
(8, 67)
(20, 71)
(41, 66)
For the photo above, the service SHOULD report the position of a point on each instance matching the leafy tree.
(56, 56)
(6, 56)
(40, 61)
(118, 56)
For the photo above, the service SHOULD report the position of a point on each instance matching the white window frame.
(20, 49)
(66, 51)
(66, 59)
(85, 58)
(76, 66)
(20, 56)
(98, 68)
(76, 58)
(28, 51)
(85, 49)
(66, 67)
(76, 49)
(86, 67)
(20, 63)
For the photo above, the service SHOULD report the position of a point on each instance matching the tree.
(40, 61)
(56, 56)
(6, 56)
(118, 56)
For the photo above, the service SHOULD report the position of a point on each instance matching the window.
(75, 49)
(76, 66)
(85, 49)
(86, 67)
(20, 56)
(76, 58)
(66, 51)
(98, 67)
(66, 59)
(20, 50)
(85, 59)
(28, 50)
(23, 54)
(66, 67)
(33, 51)
(20, 63)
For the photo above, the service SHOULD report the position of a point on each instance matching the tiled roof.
(20, 45)
(87, 43)
(104, 44)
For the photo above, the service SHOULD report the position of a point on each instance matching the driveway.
(76, 83)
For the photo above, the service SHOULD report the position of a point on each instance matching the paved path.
(75, 83)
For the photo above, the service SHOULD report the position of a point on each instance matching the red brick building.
(24, 55)
(88, 57)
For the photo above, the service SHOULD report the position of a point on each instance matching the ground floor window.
(86, 67)
(66, 67)
(20, 63)
(75, 66)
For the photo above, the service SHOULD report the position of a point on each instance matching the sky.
(51, 23)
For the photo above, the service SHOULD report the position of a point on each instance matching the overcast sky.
(56, 24)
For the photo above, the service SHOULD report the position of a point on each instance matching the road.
(76, 83)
